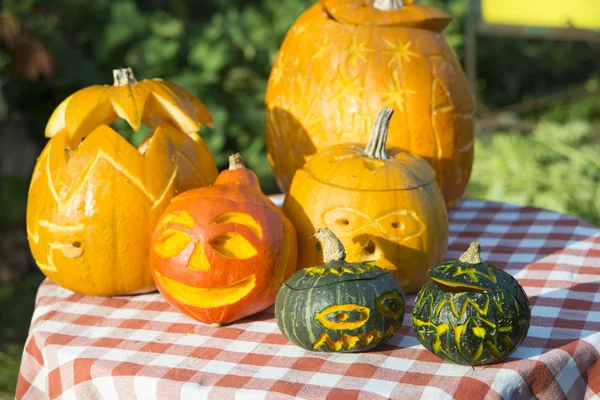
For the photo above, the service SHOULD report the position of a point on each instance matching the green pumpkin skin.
(481, 320)
(303, 300)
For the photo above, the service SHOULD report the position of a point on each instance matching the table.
(131, 347)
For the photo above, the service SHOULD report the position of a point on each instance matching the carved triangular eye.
(345, 221)
(233, 245)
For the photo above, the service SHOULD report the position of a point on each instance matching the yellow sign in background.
(582, 14)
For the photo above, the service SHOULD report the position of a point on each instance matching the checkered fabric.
(139, 347)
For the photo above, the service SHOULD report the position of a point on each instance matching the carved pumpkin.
(383, 205)
(344, 60)
(340, 306)
(93, 203)
(220, 253)
(471, 312)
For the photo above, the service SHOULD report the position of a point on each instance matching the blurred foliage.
(13, 197)
(222, 51)
(556, 167)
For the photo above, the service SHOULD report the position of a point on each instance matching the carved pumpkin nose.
(369, 247)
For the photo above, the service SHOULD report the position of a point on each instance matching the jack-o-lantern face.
(221, 253)
(340, 307)
(471, 312)
(94, 199)
(383, 207)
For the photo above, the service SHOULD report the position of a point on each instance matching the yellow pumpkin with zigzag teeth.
(93, 203)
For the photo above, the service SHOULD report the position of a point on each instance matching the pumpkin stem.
(333, 249)
(236, 161)
(378, 138)
(472, 255)
(123, 76)
(387, 5)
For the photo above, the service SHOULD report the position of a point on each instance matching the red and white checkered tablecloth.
(139, 347)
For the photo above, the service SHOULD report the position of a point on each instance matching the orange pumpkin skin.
(220, 253)
(390, 211)
(93, 204)
(342, 61)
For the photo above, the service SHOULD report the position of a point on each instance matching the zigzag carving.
(54, 228)
(324, 271)
(465, 304)
(83, 177)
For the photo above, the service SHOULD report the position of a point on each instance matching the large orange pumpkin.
(93, 203)
(220, 253)
(344, 60)
(384, 205)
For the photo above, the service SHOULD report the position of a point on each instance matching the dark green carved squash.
(471, 312)
(339, 307)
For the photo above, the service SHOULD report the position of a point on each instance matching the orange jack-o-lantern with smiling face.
(220, 253)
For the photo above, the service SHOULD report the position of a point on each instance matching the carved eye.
(390, 304)
(343, 316)
(232, 245)
(345, 221)
(401, 225)
(171, 242)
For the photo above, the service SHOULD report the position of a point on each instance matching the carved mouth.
(213, 297)
(455, 287)
(349, 342)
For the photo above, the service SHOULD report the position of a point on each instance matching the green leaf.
(126, 23)
(162, 24)
(210, 56)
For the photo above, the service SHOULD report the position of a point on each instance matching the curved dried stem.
(378, 138)
(333, 249)
(387, 5)
(472, 255)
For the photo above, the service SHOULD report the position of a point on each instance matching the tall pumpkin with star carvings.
(343, 60)
(93, 203)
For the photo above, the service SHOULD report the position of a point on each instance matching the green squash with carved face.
(471, 312)
(340, 306)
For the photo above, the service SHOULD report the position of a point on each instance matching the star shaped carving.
(396, 95)
(357, 51)
(348, 86)
(399, 52)
(322, 50)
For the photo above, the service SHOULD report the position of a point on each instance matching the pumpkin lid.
(470, 273)
(361, 12)
(336, 269)
(373, 168)
(334, 272)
